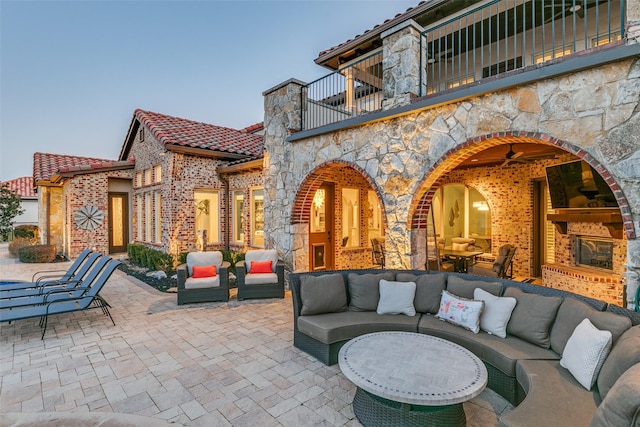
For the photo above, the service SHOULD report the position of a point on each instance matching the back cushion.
(532, 316)
(464, 288)
(429, 289)
(322, 294)
(572, 312)
(365, 290)
(621, 406)
(624, 354)
(261, 255)
(203, 259)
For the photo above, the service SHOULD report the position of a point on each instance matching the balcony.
(476, 44)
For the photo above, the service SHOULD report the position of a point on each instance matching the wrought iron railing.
(506, 35)
(497, 37)
(353, 90)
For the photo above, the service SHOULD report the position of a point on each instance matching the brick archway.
(325, 172)
(418, 212)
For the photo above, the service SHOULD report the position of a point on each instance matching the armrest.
(182, 272)
(241, 271)
(224, 274)
(33, 278)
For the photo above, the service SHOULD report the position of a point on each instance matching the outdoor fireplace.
(594, 252)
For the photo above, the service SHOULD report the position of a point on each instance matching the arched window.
(461, 211)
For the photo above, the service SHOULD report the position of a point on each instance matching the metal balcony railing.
(353, 90)
(505, 35)
(488, 40)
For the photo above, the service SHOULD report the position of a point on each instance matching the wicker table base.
(372, 410)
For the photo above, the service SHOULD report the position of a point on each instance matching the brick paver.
(227, 364)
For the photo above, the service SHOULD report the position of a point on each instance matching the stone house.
(444, 121)
(175, 179)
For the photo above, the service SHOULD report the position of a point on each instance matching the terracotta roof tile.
(188, 133)
(22, 186)
(45, 165)
(253, 128)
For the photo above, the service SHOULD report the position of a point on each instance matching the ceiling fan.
(513, 156)
(565, 10)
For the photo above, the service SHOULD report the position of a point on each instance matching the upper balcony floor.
(487, 41)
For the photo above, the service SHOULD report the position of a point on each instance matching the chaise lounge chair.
(71, 289)
(68, 274)
(68, 305)
(17, 290)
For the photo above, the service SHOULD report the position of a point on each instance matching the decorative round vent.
(89, 217)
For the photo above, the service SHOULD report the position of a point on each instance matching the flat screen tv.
(577, 185)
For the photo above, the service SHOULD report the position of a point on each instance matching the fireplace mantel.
(609, 217)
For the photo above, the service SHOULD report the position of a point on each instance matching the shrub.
(232, 257)
(150, 258)
(26, 230)
(37, 253)
(16, 244)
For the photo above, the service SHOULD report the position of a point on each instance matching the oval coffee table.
(406, 378)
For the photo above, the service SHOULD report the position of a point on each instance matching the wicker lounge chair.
(203, 289)
(255, 284)
(89, 300)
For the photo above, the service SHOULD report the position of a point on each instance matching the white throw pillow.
(497, 312)
(585, 352)
(461, 311)
(396, 298)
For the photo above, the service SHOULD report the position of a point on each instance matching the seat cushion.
(532, 316)
(364, 290)
(503, 353)
(554, 397)
(572, 312)
(429, 289)
(205, 282)
(261, 279)
(624, 354)
(203, 259)
(261, 255)
(621, 406)
(322, 294)
(464, 287)
(334, 327)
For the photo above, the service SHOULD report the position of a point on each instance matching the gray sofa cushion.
(334, 327)
(322, 294)
(554, 397)
(621, 407)
(503, 353)
(464, 288)
(572, 312)
(364, 290)
(429, 289)
(624, 354)
(532, 317)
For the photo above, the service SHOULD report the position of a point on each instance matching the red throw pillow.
(261, 267)
(200, 271)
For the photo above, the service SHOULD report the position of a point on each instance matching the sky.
(73, 72)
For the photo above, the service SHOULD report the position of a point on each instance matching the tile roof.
(188, 133)
(22, 186)
(46, 165)
(253, 128)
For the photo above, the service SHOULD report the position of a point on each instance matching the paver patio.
(212, 364)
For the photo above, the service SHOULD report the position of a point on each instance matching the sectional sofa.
(541, 354)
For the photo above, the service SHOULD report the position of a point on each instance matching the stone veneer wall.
(88, 190)
(595, 111)
(51, 216)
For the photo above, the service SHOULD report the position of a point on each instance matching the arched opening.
(336, 213)
(514, 185)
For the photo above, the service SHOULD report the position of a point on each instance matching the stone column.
(282, 116)
(401, 64)
(633, 21)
